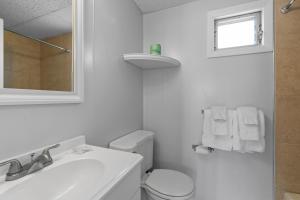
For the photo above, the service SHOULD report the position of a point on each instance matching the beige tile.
(288, 163)
(287, 119)
(287, 79)
(287, 40)
(56, 66)
(22, 60)
(287, 59)
(30, 65)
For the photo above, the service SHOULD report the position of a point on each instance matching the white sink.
(73, 176)
(62, 182)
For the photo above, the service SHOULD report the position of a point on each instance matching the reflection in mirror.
(37, 44)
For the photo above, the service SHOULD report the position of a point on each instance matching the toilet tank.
(140, 142)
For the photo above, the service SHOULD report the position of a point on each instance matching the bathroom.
(82, 74)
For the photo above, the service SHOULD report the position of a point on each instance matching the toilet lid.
(170, 183)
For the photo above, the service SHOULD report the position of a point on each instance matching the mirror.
(37, 44)
(41, 54)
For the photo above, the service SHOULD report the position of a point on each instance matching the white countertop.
(116, 165)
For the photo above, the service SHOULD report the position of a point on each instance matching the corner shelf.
(146, 61)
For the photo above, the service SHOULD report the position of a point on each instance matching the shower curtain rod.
(41, 41)
(286, 8)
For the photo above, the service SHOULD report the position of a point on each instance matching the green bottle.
(155, 49)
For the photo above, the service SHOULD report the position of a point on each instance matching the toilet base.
(147, 195)
(150, 196)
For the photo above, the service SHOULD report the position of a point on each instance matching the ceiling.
(148, 6)
(46, 18)
(37, 18)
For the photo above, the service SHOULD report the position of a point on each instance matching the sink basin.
(83, 172)
(71, 180)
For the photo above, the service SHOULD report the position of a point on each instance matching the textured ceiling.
(46, 18)
(148, 6)
(37, 18)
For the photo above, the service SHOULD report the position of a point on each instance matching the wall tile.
(287, 60)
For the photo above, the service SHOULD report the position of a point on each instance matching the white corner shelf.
(146, 61)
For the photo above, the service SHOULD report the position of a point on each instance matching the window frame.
(236, 19)
(265, 8)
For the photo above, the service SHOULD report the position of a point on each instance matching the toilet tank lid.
(131, 141)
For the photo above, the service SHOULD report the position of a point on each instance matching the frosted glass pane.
(236, 34)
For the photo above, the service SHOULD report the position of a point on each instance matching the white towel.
(220, 127)
(249, 115)
(219, 120)
(236, 141)
(211, 140)
(251, 146)
(248, 128)
(219, 113)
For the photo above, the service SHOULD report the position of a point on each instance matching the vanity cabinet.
(128, 188)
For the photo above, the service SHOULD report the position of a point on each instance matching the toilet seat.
(169, 184)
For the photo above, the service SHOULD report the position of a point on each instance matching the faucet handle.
(15, 166)
(46, 154)
(49, 148)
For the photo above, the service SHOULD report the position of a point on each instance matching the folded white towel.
(250, 130)
(219, 113)
(214, 141)
(249, 115)
(220, 127)
(260, 145)
(219, 120)
(251, 146)
(236, 140)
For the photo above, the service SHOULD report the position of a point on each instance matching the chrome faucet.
(17, 171)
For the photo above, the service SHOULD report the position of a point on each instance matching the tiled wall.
(56, 65)
(31, 65)
(21, 62)
(287, 100)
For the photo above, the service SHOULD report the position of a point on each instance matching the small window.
(238, 31)
(241, 29)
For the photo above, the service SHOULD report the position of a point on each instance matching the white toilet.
(160, 184)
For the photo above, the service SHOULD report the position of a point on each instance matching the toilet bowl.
(160, 184)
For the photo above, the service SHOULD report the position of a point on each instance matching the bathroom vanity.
(83, 172)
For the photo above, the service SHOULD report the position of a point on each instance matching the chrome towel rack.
(286, 8)
(194, 147)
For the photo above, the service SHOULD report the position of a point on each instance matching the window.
(243, 30)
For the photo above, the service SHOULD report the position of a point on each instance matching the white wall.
(173, 99)
(113, 96)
